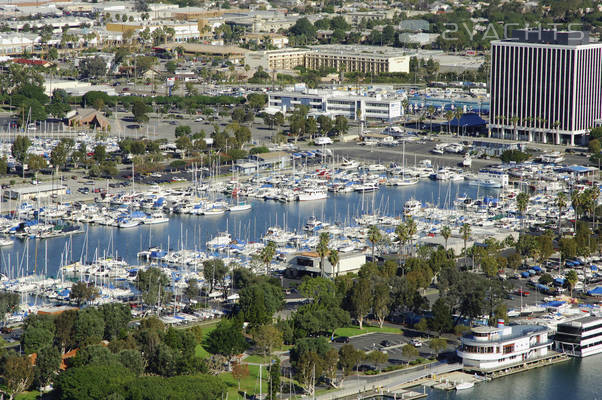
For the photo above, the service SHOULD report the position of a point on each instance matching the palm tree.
(576, 202)
(522, 201)
(333, 259)
(411, 228)
(446, 233)
(571, 279)
(458, 114)
(431, 112)
(556, 126)
(449, 115)
(561, 202)
(374, 236)
(267, 254)
(401, 232)
(465, 231)
(514, 121)
(322, 250)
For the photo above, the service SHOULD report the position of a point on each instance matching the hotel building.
(546, 86)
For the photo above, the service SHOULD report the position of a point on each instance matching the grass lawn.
(199, 350)
(249, 385)
(27, 395)
(257, 359)
(354, 331)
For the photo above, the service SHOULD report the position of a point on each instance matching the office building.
(581, 337)
(350, 105)
(546, 86)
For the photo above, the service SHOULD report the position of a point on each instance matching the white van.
(322, 141)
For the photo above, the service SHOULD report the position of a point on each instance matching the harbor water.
(192, 232)
(577, 379)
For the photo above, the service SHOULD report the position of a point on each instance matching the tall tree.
(322, 250)
(361, 296)
(446, 234)
(374, 236)
(267, 254)
(333, 259)
(19, 148)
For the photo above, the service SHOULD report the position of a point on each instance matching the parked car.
(341, 339)
(416, 343)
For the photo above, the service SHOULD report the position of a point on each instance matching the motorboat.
(156, 218)
(439, 149)
(467, 161)
(349, 164)
(312, 194)
(411, 207)
(128, 223)
(464, 385)
(240, 207)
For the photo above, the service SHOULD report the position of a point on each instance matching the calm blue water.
(192, 232)
(574, 380)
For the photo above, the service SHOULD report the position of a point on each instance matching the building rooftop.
(539, 36)
(359, 50)
(29, 189)
(579, 323)
(505, 333)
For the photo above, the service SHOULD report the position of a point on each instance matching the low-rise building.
(308, 262)
(271, 39)
(364, 59)
(350, 105)
(487, 348)
(29, 192)
(274, 159)
(283, 59)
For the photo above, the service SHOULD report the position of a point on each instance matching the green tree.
(82, 293)
(361, 295)
(274, 382)
(465, 232)
(48, 362)
(267, 254)
(442, 316)
(341, 125)
(409, 351)
(18, 374)
(139, 110)
(35, 163)
(374, 237)
(380, 301)
(446, 234)
(259, 302)
(333, 259)
(226, 339)
(100, 153)
(322, 250)
(349, 358)
(183, 130)
(89, 326)
(267, 338)
(153, 285)
(571, 280)
(192, 289)
(214, 271)
(19, 148)
(437, 345)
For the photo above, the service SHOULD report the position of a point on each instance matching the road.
(355, 384)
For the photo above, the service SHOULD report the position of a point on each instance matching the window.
(509, 348)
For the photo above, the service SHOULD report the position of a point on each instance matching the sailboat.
(405, 181)
(239, 206)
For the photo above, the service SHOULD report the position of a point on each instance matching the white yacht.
(438, 149)
(467, 161)
(221, 239)
(312, 194)
(552, 158)
(411, 207)
(128, 223)
(240, 207)
(581, 337)
(156, 218)
(349, 164)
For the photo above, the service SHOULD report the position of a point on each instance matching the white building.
(489, 348)
(350, 105)
(546, 85)
(309, 262)
(581, 337)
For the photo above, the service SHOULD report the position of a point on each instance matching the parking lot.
(391, 344)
